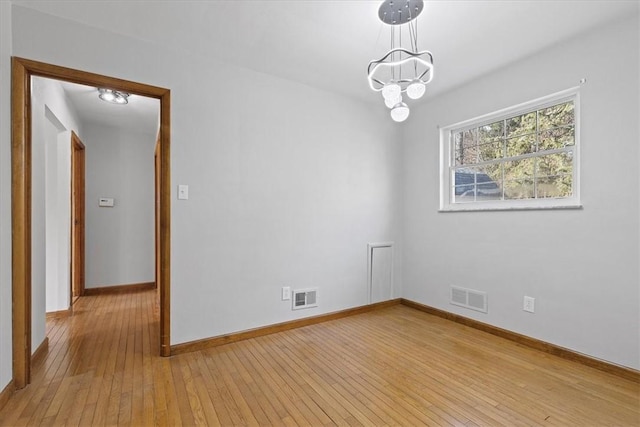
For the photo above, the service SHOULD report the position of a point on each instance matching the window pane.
(490, 132)
(457, 141)
(555, 164)
(552, 139)
(554, 186)
(518, 189)
(490, 151)
(469, 138)
(478, 183)
(466, 190)
(479, 174)
(464, 176)
(558, 115)
(490, 191)
(518, 169)
(465, 193)
(521, 125)
(521, 145)
(457, 148)
(489, 173)
(464, 185)
(467, 151)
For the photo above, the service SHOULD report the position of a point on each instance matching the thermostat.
(105, 202)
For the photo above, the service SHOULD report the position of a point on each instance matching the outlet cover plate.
(286, 293)
(529, 304)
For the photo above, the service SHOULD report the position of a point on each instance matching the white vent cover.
(469, 298)
(305, 298)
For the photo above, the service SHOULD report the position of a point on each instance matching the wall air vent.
(469, 298)
(305, 298)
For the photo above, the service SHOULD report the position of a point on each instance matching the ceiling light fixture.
(401, 70)
(113, 96)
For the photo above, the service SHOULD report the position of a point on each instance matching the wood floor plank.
(377, 389)
(200, 380)
(324, 398)
(253, 386)
(302, 408)
(436, 385)
(395, 366)
(348, 384)
(287, 403)
(226, 399)
(394, 384)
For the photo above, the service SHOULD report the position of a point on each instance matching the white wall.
(53, 118)
(5, 195)
(288, 183)
(297, 183)
(38, 219)
(120, 241)
(580, 265)
(57, 145)
(59, 226)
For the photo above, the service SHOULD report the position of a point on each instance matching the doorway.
(21, 209)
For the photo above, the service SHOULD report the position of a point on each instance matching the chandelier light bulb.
(391, 90)
(392, 102)
(400, 112)
(416, 89)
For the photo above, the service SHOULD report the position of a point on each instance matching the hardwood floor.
(395, 366)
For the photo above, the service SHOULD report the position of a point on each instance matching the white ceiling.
(329, 43)
(141, 114)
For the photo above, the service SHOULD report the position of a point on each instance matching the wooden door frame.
(77, 258)
(156, 216)
(21, 72)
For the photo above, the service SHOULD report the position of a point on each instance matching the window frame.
(447, 203)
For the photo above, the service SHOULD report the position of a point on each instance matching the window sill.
(514, 207)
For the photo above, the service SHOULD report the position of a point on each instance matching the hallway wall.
(53, 119)
(120, 240)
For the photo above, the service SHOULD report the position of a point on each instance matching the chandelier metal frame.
(388, 61)
(401, 70)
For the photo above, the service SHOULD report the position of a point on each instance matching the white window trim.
(446, 197)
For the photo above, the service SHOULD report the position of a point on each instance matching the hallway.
(99, 366)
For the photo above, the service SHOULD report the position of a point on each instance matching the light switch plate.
(183, 192)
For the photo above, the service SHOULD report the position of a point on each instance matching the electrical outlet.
(529, 304)
(286, 293)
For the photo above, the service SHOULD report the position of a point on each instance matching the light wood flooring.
(395, 366)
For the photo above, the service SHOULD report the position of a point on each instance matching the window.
(523, 157)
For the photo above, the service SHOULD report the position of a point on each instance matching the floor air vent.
(305, 298)
(468, 298)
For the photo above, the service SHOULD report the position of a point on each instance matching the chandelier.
(402, 70)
